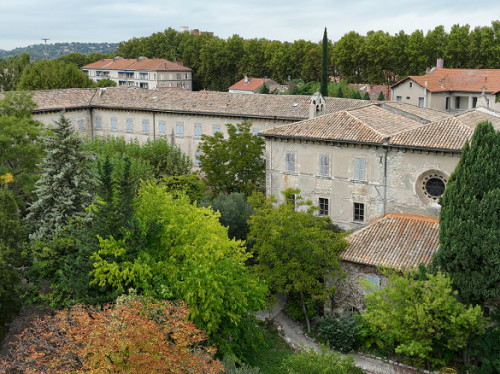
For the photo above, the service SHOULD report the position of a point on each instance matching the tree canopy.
(235, 164)
(294, 249)
(469, 234)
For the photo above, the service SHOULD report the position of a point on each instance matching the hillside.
(36, 51)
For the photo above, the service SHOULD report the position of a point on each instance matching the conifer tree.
(324, 66)
(381, 96)
(66, 186)
(366, 96)
(469, 235)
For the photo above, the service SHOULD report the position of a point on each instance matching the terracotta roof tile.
(158, 64)
(283, 107)
(252, 85)
(396, 240)
(447, 134)
(370, 124)
(469, 80)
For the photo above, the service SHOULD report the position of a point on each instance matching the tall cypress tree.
(469, 235)
(324, 67)
(66, 186)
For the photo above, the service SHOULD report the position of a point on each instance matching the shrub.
(340, 332)
(310, 362)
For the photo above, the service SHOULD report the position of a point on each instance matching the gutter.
(385, 145)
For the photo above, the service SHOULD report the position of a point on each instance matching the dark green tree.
(381, 96)
(264, 89)
(11, 70)
(66, 186)
(324, 66)
(469, 234)
(235, 164)
(366, 96)
(20, 149)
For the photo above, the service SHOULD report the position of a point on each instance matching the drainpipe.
(385, 146)
(154, 126)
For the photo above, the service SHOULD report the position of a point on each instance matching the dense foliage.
(429, 325)
(66, 186)
(57, 50)
(294, 249)
(235, 164)
(469, 235)
(11, 70)
(341, 333)
(130, 337)
(325, 362)
(52, 74)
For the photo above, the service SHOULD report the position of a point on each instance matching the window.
(399, 99)
(145, 126)
(457, 102)
(98, 123)
(130, 126)
(474, 102)
(80, 124)
(290, 199)
(411, 84)
(407, 97)
(255, 131)
(114, 124)
(323, 206)
(374, 280)
(178, 75)
(216, 129)
(324, 165)
(197, 130)
(162, 128)
(290, 162)
(421, 102)
(197, 159)
(359, 169)
(433, 185)
(186, 76)
(179, 129)
(359, 212)
(447, 105)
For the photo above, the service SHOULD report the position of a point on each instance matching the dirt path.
(294, 335)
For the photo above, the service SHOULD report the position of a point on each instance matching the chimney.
(439, 63)
(246, 79)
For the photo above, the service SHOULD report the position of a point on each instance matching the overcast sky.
(25, 22)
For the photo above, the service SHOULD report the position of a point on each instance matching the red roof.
(136, 64)
(251, 85)
(395, 240)
(468, 80)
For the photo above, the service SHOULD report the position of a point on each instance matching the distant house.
(395, 241)
(142, 72)
(452, 90)
(252, 85)
(373, 90)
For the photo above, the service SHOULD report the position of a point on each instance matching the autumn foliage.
(133, 337)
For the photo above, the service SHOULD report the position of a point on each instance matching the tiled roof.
(396, 240)
(370, 124)
(252, 84)
(136, 64)
(469, 80)
(448, 134)
(421, 114)
(284, 107)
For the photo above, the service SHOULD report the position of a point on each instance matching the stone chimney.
(439, 63)
(482, 102)
(247, 80)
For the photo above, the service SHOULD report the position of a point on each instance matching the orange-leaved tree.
(132, 337)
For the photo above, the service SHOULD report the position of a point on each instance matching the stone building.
(394, 241)
(180, 116)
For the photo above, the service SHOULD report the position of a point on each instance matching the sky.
(26, 22)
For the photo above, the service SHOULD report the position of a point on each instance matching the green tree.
(190, 184)
(295, 250)
(264, 89)
(186, 254)
(66, 186)
(366, 96)
(52, 74)
(234, 211)
(106, 82)
(235, 164)
(425, 318)
(20, 150)
(381, 96)
(469, 234)
(324, 66)
(11, 70)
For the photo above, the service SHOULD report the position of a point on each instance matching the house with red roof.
(142, 72)
(250, 85)
(452, 90)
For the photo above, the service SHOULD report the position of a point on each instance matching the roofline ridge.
(412, 217)
(384, 136)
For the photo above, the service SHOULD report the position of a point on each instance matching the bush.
(233, 368)
(294, 307)
(341, 333)
(310, 362)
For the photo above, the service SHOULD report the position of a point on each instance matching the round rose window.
(433, 185)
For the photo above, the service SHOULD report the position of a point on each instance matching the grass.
(269, 360)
